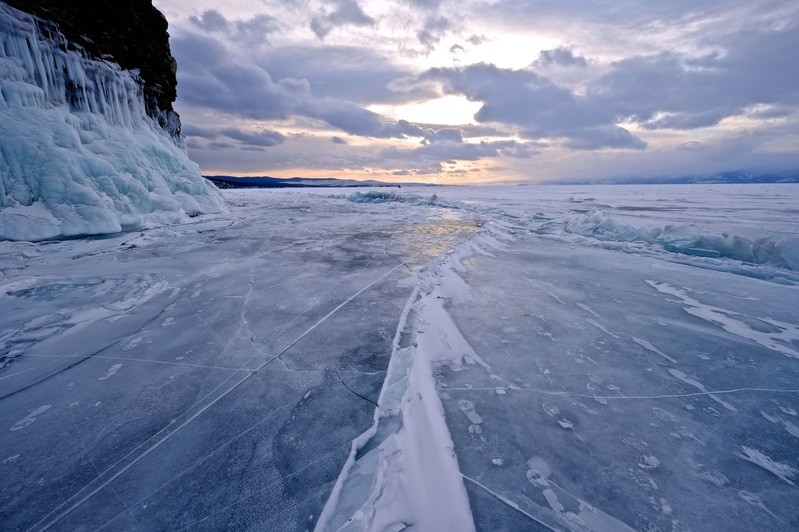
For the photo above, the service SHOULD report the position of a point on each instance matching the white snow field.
(590, 358)
(78, 153)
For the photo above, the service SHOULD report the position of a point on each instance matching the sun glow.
(446, 110)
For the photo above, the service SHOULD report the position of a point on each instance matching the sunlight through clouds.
(446, 110)
(539, 90)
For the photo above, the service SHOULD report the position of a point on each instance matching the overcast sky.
(471, 91)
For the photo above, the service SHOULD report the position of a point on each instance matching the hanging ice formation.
(78, 153)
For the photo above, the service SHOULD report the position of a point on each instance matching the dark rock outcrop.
(131, 33)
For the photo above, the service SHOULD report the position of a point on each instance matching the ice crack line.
(507, 502)
(192, 417)
(189, 469)
(624, 397)
(83, 359)
(168, 431)
(353, 391)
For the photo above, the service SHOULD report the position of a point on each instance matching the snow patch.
(778, 340)
(701, 387)
(30, 418)
(649, 347)
(110, 373)
(784, 472)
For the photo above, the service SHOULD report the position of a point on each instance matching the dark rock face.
(132, 33)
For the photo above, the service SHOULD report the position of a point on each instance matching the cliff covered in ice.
(79, 152)
(131, 32)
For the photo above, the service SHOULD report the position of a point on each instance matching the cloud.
(434, 154)
(603, 137)
(446, 134)
(211, 20)
(613, 89)
(675, 91)
(667, 90)
(251, 32)
(476, 40)
(447, 145)
(190, 130)
(425, 4)
(220, 145)
(534, 104)
(433, 30)
(354, 73)
(345, 12)
(212, 79)
(560, 56)
(264, 138)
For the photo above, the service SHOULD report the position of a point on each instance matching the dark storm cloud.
(344, 12)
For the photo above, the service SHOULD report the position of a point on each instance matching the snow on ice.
(375, 361)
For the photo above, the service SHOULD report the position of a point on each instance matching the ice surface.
(78, 153)
(635, 371)
(310, 361)
(207, 374)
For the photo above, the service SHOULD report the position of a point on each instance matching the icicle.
(67, 77)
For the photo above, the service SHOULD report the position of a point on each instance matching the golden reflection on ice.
(433, 238)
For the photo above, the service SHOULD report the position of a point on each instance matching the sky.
(469, 91)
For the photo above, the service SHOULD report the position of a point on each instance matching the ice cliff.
(81, 152)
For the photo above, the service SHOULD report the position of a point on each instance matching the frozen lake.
(517, 358)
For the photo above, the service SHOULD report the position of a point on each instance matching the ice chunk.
(690, 240)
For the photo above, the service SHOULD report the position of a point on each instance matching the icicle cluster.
(65, 77)
(78, 153)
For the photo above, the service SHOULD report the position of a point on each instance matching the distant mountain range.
(225, 181)
(711, 179)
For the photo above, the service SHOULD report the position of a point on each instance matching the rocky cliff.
(131, 33)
